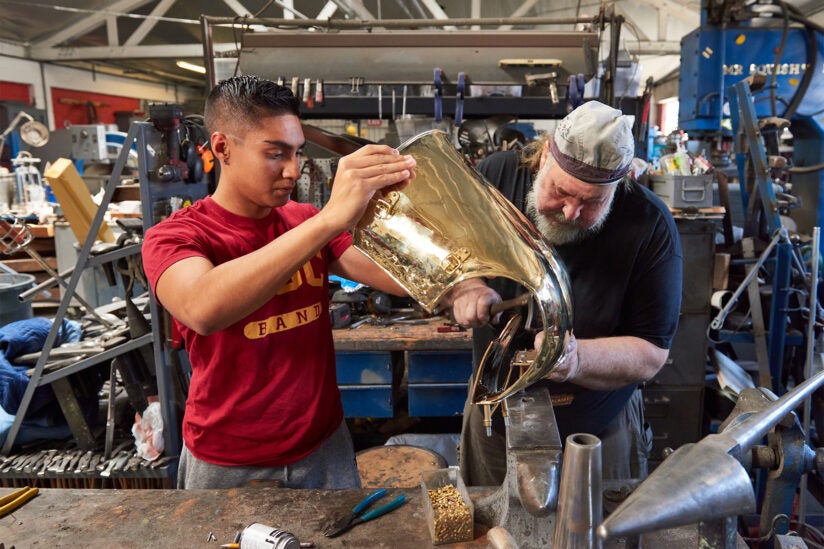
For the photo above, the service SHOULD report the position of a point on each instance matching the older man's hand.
(470, 301)
(567, 367)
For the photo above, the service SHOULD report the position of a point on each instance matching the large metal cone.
(698, 482)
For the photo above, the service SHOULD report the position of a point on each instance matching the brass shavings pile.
(452, 520)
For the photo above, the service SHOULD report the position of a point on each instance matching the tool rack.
(150, 145)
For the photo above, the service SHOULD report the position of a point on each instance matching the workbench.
(379, 366)
(402, 337)
(208, 518)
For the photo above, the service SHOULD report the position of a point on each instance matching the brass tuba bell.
(448, 225)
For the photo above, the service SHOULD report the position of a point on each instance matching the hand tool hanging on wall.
(319, 92)
(308, 100)
(575, 91)
(438, 94)
(459, 99)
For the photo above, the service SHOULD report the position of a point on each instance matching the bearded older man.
(620, 246)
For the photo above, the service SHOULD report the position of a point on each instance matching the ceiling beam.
(159, 77)
(638, 23)
(475, 12)
(149, 23)
(355, 8)
(91, 22)
(239, 9)
(13, 49)
(328, 10)
(519, 11)
(686, 15)
(112, 37)
(644, 47)
(40, 53)
(437, 11)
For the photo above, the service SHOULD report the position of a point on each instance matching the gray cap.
(594, 143)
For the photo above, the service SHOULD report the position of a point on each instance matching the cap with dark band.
(594, 143)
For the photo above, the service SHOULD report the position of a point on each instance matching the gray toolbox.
(684, 191)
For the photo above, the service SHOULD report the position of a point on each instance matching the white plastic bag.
(148, 432)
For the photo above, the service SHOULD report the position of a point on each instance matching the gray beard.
(558, 234)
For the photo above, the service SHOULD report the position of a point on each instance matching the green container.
(11, 286)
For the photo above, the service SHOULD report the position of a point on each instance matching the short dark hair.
(245, 100)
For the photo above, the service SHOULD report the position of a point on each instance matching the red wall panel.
(13, 91)
(72, 107)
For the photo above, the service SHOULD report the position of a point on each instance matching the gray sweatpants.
(331, 466)
(625, 446)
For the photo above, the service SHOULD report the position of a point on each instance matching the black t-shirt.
(626, 281)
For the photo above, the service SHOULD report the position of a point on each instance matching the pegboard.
(314, 183)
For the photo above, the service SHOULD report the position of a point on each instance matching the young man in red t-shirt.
(244, 274)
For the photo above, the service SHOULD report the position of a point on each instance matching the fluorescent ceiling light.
(191, 67)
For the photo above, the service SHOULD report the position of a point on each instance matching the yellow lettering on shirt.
(297, 279)
(293, 284)
(282, 322)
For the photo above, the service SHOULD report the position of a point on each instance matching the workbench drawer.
(675, 415)
(436, 399)
(367, 368)
(438, 366)
(367, 400)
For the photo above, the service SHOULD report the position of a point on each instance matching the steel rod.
(395, 23)
(808, 365)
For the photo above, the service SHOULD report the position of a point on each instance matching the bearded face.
(565, 209)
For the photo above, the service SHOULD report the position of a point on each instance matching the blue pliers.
(357, 516)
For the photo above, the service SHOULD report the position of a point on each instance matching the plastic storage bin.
(684, 191)
(451, 517)
(11, 286)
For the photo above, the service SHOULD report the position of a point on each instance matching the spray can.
(260, 536)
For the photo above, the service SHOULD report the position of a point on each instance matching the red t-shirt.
(263, 391)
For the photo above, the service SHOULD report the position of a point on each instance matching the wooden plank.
(75, 200)
(28, 265)
(42, 231)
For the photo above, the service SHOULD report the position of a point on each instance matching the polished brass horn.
(448, 225)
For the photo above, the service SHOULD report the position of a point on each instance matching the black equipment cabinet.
(674, 399)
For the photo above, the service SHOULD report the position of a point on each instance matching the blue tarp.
(44, 418)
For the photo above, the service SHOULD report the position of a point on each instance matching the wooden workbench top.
(401, 337)
(208, 518)
(186, 518)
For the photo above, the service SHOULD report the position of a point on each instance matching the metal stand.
(67, 400)
(145, 138)
(526, 501)
(744, 118)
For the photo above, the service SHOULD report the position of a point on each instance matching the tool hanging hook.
(438, 93)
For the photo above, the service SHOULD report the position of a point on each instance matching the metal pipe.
(718, 321)
(44, 285)
(395, 23)
(580, 509)
(208, 53)
(808, 365)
